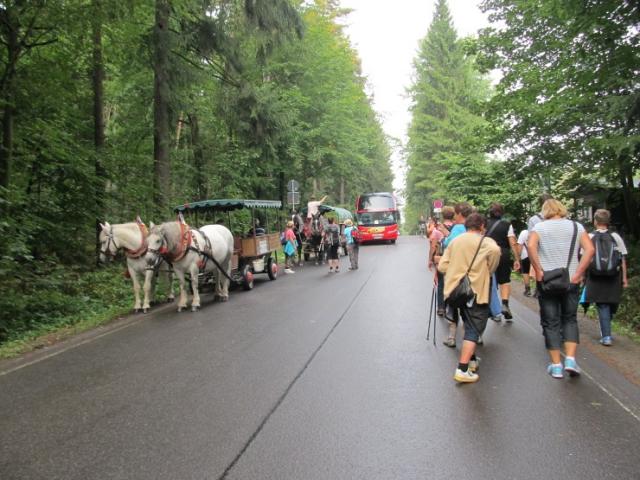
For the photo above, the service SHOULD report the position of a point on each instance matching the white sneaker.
(466, 377)
(288, 270)
(474, 365)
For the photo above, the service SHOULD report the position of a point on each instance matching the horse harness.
(130, 253)
(206, 253)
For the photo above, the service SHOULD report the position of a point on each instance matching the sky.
(386, 35)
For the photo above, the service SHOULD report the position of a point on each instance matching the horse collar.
(143, 244)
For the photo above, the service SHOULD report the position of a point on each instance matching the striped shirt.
(555, 243)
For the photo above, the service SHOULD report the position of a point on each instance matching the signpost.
(293, 195)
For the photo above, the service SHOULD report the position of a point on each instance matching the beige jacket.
(457, 257)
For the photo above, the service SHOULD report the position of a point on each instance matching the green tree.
(569, 98)
(444, 131)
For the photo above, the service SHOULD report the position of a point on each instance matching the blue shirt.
(458, 229)
(347, 234)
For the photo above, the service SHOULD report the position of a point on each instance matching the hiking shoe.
(440, 312)
(555, 370)
(571, 366)
(506, 312)
(527, 292)
(450, 342)
(606, 341)
(474, 365)
(288, 270)
(496, 318)
(465, 377)
(480, 341)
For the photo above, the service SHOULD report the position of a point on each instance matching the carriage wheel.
(272, 268)
(247, 278)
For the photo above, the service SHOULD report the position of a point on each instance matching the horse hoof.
(136, 310)
(145, 310)
(179, 309)
(224, 298)
(195, 308)
(170, 300)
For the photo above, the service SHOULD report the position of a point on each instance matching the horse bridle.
(158, 253)
(110, 239)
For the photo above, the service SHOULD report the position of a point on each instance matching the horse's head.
(157, 245)
(316, 224)
(108, 246)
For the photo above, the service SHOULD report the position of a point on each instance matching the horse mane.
(171, 231)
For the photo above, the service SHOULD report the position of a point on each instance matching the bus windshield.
(372, 201)
(377, 218)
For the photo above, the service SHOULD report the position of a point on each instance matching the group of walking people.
(472, 251)
(331, 237)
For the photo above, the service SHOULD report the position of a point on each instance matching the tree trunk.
(161, 167)
(13, 53)
(341, 190)
(625, 174)
(98, 116)
(198, 158)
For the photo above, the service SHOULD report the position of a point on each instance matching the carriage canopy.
(227, 205)
(340, 214)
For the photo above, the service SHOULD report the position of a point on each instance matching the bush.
(629, 311)
(52, 297)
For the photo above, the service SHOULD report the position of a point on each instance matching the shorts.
(333, 252)
(525, 266)
(503, 273)
(475, 321)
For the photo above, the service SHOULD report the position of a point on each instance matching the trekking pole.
(435, 319)
(430, 314)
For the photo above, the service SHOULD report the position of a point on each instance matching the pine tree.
(444, 95)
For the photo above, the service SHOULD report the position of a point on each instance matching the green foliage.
(446, 150)
(51, 296)
(256, 88)
(569, 99)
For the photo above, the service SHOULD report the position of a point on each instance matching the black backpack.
(334, 236)
(607, 259)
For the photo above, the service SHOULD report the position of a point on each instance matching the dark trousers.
(440, 290)
(559, 317)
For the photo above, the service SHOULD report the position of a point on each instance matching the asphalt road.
(313, 376)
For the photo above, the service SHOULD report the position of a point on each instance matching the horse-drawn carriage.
(253, 253)
(313, 231)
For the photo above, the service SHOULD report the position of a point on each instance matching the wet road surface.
(313, 376)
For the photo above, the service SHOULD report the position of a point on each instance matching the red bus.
(378, 217)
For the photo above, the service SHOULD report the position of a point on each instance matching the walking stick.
(430, 315)
(432, 310)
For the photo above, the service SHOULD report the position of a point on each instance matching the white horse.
(132, 238)
(192, 251)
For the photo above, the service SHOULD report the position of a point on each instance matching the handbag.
(558, 281)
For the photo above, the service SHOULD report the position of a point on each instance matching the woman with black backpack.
(607, 274)
(332, 241)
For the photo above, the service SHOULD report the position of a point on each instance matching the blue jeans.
(605, 314)
(559, 317)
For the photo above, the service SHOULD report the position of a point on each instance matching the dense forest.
(112, 109)
(564, 117)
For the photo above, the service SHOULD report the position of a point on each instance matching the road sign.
(437, 204)
(293, 198)
(437, 210)
(293, 186)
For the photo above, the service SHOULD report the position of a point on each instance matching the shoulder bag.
(558, 281)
